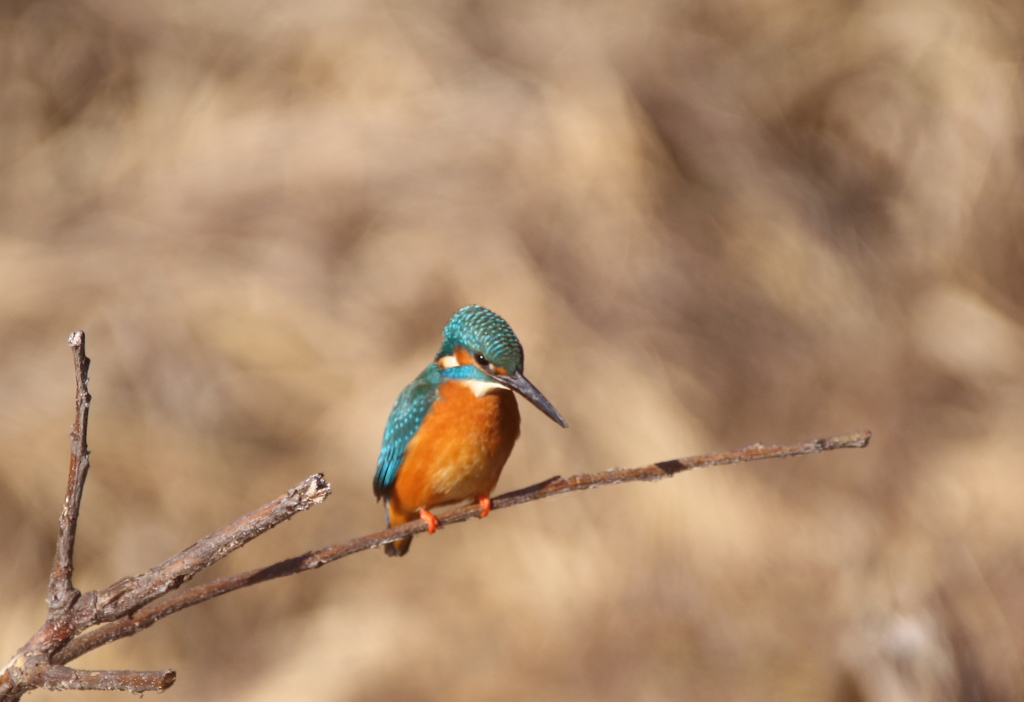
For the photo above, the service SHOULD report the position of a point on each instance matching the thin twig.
(129, 594)
(59, 678)
(33, 659)
(147, 616)
(62, 594)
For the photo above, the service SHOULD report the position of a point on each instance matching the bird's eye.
(479, 358)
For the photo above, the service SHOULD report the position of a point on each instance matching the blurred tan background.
(711, 223)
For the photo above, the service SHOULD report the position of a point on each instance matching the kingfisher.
(452, 428)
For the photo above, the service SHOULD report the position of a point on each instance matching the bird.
(451, 430)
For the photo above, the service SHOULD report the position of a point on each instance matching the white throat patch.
(482, 387)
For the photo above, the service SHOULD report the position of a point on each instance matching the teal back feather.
(404, 421)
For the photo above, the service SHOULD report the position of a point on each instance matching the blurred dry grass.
(711, 223)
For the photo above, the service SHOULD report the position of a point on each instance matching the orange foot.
(485, 505)
(430, 519)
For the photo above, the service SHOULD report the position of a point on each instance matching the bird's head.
(482, 346)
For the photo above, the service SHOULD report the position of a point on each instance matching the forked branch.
(137, 602)
(39, 663)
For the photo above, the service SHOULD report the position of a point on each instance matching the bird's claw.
(485, 505)
(430, 519)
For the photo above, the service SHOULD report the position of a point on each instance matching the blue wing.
(406, 416)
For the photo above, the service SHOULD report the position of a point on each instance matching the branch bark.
(137, 602)
(147, 616)
(39, 663)
(62, 594)
(59, 678)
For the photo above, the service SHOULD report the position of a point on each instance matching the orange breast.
(459, 451)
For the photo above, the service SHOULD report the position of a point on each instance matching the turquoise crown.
(480, 331)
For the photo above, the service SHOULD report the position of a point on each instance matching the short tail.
(400, 547)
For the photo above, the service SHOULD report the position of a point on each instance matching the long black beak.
(518, 382)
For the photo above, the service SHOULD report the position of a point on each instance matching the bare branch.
(70, 612)
(147, 616)
(28, 670)
(129, 594)
(59, 678)
(62, 594)
(137, 602)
